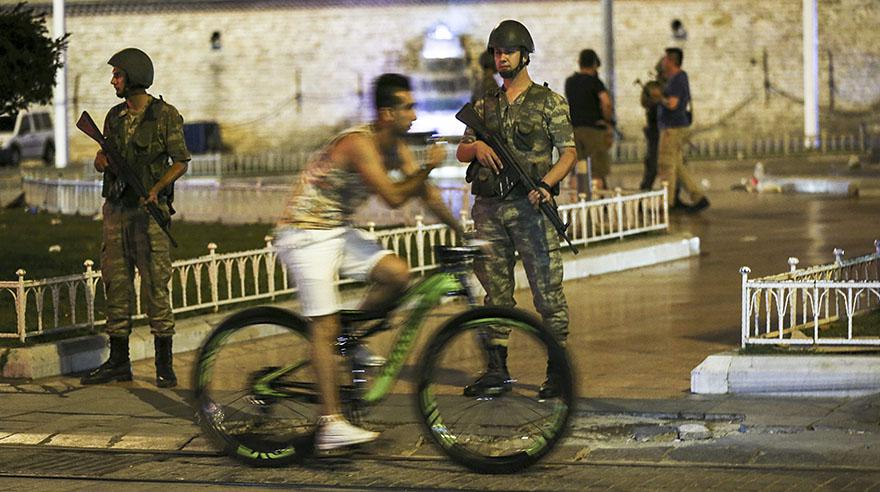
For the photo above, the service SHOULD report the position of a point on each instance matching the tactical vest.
(145, 152)
(528, 140)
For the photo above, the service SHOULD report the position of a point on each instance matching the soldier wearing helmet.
(511, 36)
(148, 133)
(533, 120)
(137, 69)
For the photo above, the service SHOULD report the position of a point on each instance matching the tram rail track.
(371, 457)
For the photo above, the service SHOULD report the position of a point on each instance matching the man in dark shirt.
(592, 117)
(673, 118)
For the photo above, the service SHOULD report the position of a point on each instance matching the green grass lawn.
(864, 325)
(25, 240)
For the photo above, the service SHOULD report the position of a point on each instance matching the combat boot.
(496, 380)
(550, 387)
(116, 368)
(165, 377)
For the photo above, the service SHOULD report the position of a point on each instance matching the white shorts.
(316, 256)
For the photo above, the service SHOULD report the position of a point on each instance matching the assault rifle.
(469, 117)
(121, 169)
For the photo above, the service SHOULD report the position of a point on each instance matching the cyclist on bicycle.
(316, 240)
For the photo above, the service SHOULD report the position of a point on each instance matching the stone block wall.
(291, 71)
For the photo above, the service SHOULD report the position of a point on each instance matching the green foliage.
(29, 58)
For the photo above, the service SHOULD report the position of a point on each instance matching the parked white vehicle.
(26, 135)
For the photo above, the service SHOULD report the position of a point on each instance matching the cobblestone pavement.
(134, 434)
(68, 470)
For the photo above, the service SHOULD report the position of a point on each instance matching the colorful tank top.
(325, 196)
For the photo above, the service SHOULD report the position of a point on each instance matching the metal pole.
(811, 73)
(60, 123)
(608, 28)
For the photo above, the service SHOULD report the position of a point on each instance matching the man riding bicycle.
(316, 240)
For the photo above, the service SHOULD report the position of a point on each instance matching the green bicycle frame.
(426, 295)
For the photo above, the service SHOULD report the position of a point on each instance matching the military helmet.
(137, 66)
(511, 34)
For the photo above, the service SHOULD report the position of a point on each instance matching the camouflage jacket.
(532, 125)
(146, 143)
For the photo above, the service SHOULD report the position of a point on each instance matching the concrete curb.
(87, 352)
(790, 375)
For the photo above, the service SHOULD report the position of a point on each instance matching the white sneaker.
(336, 432)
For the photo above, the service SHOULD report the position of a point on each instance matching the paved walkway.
(635, 337)
(139, 433)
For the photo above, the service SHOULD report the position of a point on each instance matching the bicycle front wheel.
(254, 387)
(514, 427)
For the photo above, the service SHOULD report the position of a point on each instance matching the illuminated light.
(442, 32)
(441, 43)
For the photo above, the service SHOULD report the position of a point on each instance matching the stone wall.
(289, 72)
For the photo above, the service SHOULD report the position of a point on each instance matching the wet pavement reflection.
(639, 333)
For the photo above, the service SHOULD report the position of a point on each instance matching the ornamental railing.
(796, 307)
(69, 303)
(780, 145)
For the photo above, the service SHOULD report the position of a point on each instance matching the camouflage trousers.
(670, 164)
(132, 239)
(513, 226)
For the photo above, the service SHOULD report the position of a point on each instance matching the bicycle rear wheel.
(254, 387)
(500, 434)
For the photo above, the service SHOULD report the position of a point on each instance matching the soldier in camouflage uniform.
(533, 120)
(148, 133)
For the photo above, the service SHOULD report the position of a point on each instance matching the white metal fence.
(792, 308)
(211, 200)
(763, 146)
(67, 303)
(266, 163)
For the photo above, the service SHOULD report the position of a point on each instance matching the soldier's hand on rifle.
(539, 195)
(487, 157)
(152, 197)
(100, 161)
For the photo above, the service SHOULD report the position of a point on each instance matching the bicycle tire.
(486, 434)
(250, 424)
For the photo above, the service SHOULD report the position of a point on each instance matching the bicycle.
(262, 409)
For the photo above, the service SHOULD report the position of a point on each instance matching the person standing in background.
(673, 118)
(592, 116)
